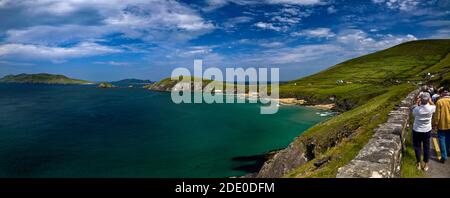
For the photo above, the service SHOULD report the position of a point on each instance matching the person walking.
(424, 90)
(437, 95)
(442, 123)
(421, 134)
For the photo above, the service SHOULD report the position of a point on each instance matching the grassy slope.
(362, 120)
(41, 78)
(441, 71)
(370, 75)
(164, 83)
(379, 81)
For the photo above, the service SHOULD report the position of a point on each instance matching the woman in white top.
(423, 114)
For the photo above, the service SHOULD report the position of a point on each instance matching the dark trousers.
(421, 142)
(444, 143)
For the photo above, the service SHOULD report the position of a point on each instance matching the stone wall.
(381, 157)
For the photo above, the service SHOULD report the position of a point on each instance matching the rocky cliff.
(284, 161)
(168, 85)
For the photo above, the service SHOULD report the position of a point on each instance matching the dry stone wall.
(381, 157)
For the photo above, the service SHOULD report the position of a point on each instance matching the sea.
(80, 131)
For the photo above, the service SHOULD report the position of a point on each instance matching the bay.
(84, 131)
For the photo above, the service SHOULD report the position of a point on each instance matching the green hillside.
(373, 85)
(42, 78)
(352, 83)
(355, 81)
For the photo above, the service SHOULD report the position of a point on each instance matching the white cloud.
(55, 54)
(291, 10)
(436, 23)
(53, 35)
(153, 20)
(183, 56)
(215, 4)
(288, 16)
(281, 19)
(297, 2)
(159, 15)
(268, 26)
(441, 34)
(3, 62)
(362, 43)
(271, 44)
(114, 63)
(302, 53)
(196, 50)
(331, 10)
(162, 23)
(233, 22)
(404, 5)
(344, 45)
(315, 33)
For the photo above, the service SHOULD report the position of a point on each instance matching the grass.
(370, 75)
(373, 76)
(441, 71)
(373, 92)
(359, 123)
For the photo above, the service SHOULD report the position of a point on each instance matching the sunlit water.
(85, 131)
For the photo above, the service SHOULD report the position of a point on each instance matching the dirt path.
(437, 169)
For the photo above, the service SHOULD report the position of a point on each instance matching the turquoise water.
(84, 131)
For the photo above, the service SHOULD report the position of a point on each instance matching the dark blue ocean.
(85, 131)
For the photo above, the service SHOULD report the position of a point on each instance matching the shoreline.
(280, 101)
(301, 102)
(322, 106)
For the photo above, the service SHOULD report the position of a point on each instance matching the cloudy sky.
(147, 39)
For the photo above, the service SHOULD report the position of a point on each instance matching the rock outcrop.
(284, 161)
(381, 157)
(106, 85)
(168, 85)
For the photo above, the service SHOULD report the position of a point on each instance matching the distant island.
(132, 81)
(42, 78)
(45, 78)
(106, 85)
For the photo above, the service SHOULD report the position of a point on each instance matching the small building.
(339, 81)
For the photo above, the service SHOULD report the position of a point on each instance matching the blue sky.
(111, 40)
